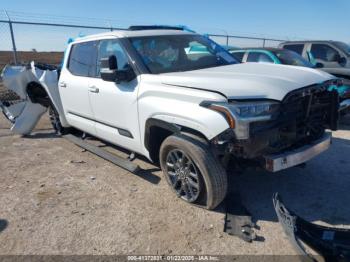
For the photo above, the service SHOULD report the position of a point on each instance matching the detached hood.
(249, 80)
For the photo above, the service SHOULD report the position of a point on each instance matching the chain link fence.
(245, 41)
(6, 50)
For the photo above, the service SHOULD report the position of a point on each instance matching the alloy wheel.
(183, 175)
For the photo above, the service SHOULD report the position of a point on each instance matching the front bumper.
(277, 162)
(333, 244)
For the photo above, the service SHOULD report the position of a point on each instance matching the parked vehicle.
(332, 56)
(140, 89)
(288, 57)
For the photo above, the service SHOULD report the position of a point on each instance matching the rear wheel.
(192, 171)
(56, 122)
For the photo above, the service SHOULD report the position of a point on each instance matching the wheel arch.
(157, 130)
(38, 94)
(46, 95)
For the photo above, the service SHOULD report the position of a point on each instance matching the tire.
(196, 156)
(56, 122)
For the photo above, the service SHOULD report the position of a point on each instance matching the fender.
(17, 79)
(196, 125)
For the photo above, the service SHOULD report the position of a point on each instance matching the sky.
(288, 19)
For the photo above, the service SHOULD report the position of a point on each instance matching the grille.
(306, 113)
(304, 116)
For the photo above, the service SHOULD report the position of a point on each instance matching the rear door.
(73, 86)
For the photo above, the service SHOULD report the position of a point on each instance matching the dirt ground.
(57, 199)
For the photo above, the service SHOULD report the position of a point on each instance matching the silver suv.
(331, 56)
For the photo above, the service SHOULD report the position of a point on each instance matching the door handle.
(62, 84)
(94, 89)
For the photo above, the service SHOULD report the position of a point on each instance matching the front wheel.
(192, 171)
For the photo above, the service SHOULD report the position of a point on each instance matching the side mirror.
(342, 61)
(110, 72)
(319, 65)
(109, 68)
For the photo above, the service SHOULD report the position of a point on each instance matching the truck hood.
(248, 80)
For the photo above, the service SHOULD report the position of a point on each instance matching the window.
(343, 46)
(238, 56)
(288, 57)
(111, 47)
(196, 50)
(176, 53)
(82, 59)
(296, 48)
(259, 57)
(324, 52)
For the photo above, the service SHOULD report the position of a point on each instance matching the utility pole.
(12, 39)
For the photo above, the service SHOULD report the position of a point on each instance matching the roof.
(132, 33)
(272, 49)
(308, 41)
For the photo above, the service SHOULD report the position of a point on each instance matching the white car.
(191, 113)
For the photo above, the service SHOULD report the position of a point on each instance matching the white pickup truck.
(191, 112)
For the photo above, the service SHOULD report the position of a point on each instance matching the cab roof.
(308, 41)
(271, 49)
(132, 33)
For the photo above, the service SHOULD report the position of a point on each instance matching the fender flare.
(153, 122)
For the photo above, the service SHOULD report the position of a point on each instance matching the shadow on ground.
(40, 135)
(3, 224)
(318, 192)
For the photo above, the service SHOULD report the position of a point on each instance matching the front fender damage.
(333, 244)
(18, 107)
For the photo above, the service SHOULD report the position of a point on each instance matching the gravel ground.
(57, 199)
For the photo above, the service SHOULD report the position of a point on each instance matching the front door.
(115, 104)
(326, 55)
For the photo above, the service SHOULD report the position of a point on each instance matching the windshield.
(344, 47)
(176, 53)
(291, 58)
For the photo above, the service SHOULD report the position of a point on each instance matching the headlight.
(240, 114)
(254, 109)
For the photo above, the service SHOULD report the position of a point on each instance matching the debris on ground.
(77, 162)
(333, 244)
(238, 221)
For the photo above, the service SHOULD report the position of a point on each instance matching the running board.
(119, 161)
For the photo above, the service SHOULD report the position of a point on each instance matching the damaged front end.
(333, 244)
(291, 136)
(27, 92)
